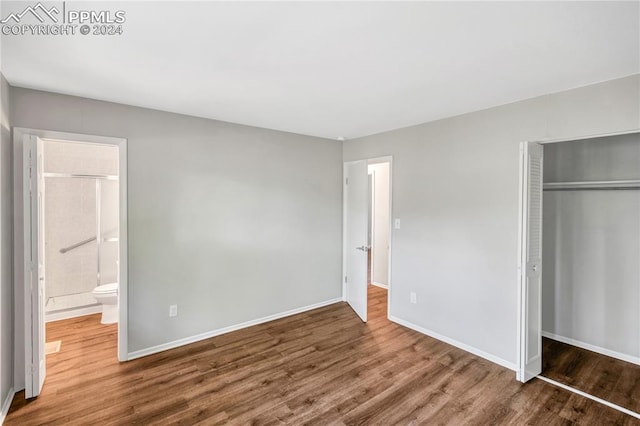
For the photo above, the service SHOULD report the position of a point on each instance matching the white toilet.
(107, 296)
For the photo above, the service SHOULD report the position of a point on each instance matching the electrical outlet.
(396, 223)
(413, 297)
(173, 310)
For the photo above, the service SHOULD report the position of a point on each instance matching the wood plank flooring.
(320, 367)
(599, 375)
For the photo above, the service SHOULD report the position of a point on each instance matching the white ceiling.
(332, 69)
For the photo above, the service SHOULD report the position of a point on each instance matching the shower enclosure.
(80, 225)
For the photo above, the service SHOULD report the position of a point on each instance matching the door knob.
(363, 248)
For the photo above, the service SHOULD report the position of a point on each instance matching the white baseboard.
(593, 348)
(380, 285)
(6, 404)
(213, 333)
(463, 346)
(73, 313)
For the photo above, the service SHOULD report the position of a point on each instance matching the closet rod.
(622, 188)
(591, 185)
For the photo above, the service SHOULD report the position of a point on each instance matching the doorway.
(80, 225)
(379, 223)
(579, 275)
(367, 234)
(72, 217)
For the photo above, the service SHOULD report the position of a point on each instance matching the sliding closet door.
(530, 261)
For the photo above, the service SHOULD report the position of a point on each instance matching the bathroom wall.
(591, 247)
(70, 216)
(380, 223)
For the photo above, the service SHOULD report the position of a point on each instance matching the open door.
(355, 236)
(530, 261)
(35, 365)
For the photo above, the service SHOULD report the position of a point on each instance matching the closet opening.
(591, 267)
(585, 324)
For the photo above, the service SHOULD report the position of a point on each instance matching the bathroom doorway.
(80, 195)
(72, 215)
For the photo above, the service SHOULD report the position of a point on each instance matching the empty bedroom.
(309, 212)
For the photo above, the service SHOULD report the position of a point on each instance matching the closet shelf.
(602, 184)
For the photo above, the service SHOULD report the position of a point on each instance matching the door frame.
(372, 160)
(22, 320)
(521, 321)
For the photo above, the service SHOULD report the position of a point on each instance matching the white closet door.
(530, 261)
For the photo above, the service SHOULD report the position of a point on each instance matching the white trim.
(457, 344)
(593, 348)
(585, 137)
(224, 330)
(390, 242)
(520, 321)
(6, 404)
(72, 313)
(372, 224)
(379, 285)
(591, 397)
(344, 231)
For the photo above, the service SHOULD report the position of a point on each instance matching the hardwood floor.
(599, 375)
(320, 367)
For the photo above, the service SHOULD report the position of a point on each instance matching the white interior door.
(530, 261)
(355, 236)
(35, 365)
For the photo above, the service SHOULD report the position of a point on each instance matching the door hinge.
(345, 279)
(346, 181)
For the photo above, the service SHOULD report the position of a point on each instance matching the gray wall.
(455, 188)
(6, 245)
(591, 267)
(231, 223)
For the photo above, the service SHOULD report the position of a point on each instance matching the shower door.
(108, 224)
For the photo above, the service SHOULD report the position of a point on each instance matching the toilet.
(107, 296)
